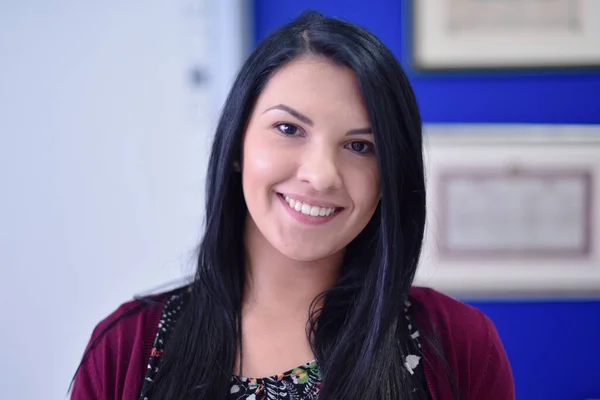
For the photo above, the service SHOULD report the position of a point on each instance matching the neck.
(275, 282)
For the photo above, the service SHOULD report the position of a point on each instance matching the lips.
(309, 209)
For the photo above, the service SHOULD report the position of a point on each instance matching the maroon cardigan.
(116, 367)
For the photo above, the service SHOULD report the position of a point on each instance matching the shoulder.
(470, 342)
(126, 315)
(113, 364)
(132, 317)
(463, 329)
(451, 313)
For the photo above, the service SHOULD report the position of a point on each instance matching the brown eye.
(361, 147)
(288, 129)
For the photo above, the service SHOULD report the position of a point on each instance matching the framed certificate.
(474, 34)
(508, 211)
(512, 209)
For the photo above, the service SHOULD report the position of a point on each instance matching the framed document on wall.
(484, 34)
(512, 209)
(507, 211)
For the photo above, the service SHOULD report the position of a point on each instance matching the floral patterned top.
(301, 383)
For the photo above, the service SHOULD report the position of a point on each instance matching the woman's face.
(309, 172)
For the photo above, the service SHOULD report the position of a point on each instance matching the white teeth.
(307, 209)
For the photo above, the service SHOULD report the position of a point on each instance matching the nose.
(320, 169)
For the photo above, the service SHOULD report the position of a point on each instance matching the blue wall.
(554, 346)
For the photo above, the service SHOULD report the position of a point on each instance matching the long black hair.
(359, 334)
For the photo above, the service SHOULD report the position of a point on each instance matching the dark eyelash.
(370, 147)
(298, 131)
(279, 124)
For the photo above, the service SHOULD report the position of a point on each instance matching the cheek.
(364, 188)
(262, 164)
(256, 158)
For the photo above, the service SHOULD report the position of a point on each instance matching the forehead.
(315, 85)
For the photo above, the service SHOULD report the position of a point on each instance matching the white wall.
(103, 150)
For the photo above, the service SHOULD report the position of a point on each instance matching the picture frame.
(504, 34)
(509, 211)
(512, 209)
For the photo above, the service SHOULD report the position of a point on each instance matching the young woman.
(314, 221)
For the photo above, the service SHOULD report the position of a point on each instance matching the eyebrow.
(303, 118)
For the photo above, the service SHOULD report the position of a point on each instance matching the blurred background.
(107, 111)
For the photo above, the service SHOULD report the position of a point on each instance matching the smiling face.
(309, 172)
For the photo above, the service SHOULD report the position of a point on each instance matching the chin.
(304, 257)
(307, 253)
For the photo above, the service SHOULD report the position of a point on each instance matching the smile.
(307, 213)
(309, 209)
